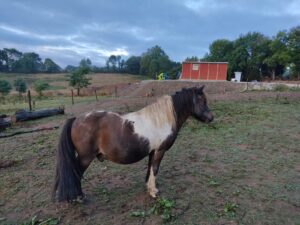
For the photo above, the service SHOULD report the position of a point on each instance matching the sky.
(69, 30)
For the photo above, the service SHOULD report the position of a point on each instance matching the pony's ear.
(201, 88)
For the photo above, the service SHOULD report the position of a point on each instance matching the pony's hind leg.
(153, 167)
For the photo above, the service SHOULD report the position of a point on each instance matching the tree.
(192, 59)
(248, 54)
(85, 63)
(39, 86)
(70, 68)
(20, 86)
(153, 68)
(154, 61)
(279, 56)
(118, 60)
(122, 65)
(111, 63)
(28, 63)
(5, 87)
(133, 64)
(13, 56)
(3, 61)
(78, 79)
(175, 70)
(294, 49)
(220, 50)
(50, 66)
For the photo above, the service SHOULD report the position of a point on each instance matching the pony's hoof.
(80, 199)
(153, 193)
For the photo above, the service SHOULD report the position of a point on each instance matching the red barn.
(204, 70)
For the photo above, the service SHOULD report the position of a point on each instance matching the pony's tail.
(67, 186)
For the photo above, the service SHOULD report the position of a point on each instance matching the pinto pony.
(124, 139)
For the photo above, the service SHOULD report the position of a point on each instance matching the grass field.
(58, 93)
(241, 169)
(14, 104)
(58, 82)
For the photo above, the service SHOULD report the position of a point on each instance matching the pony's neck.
(183, 107)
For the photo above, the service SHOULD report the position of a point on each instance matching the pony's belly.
(134, 156)
(127, 156)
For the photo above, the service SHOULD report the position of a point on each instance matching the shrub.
(40, 86)
(20, 85)
(5, 87)
(281, 87)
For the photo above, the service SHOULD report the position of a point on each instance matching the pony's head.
(200, 109)
(191, 102)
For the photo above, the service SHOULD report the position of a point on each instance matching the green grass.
(241, 169)
(281, 87)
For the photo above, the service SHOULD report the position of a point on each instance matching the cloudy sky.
(69, 30)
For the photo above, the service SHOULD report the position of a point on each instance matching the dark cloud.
(70, 30)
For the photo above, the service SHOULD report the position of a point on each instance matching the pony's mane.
(172, 109)
(161, 111)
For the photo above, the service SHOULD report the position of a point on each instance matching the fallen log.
(23, 115)
(28, 131)
(5, 122)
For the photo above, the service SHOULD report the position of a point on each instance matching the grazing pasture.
(60, 86)
(243, 168)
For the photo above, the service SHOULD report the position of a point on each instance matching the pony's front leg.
(153, 167)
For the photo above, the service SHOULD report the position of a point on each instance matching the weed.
(104, 194)
(35, 221)
(294, 89)
(236, 193)
(138, 213)
(219, 192)
(281, 87)
(213, 182)
(292, 187)
(230, 209)
(207, 159)
(163, 207)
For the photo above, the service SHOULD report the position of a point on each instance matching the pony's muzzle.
(209, 117)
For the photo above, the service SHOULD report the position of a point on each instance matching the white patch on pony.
(88, 114)
(151, 184)
(154, 122)
(92, 112)
(113, 113)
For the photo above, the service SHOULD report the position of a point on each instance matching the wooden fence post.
(29, 100)
(247, 84)
(96, 95)
(116, 91)
(72, 94)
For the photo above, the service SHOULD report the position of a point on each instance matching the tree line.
(150, 63)
(14, 61)
(258, 56)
